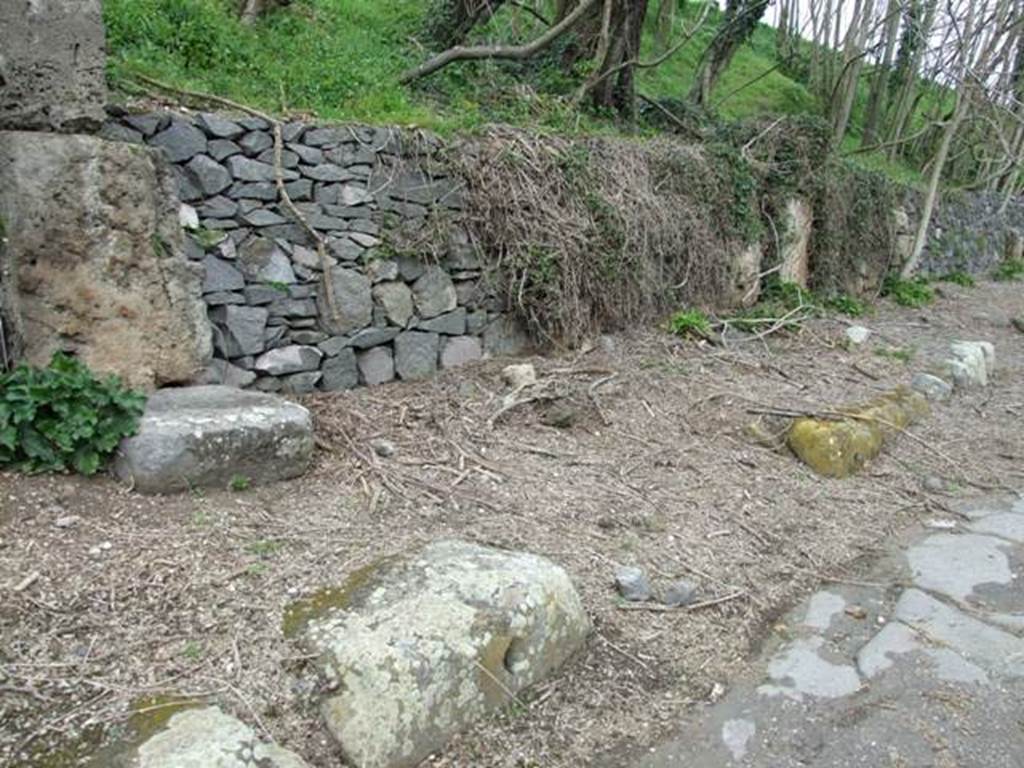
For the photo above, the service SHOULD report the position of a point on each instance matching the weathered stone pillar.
(93, 258)
(52, 73)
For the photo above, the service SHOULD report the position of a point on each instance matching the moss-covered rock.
(417, 648)
(841, 446)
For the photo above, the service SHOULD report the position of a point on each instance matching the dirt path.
(144, 597)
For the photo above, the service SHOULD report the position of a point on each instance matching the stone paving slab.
(924, 669)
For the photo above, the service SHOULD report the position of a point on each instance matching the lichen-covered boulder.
(972, 364)
(206, 738)
(420, 647)
(208, 436)
(841, 447)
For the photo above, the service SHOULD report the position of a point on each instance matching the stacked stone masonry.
(391, 313)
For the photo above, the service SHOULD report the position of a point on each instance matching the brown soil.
(183, 596)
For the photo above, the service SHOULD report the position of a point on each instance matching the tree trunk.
(611, 37)
(664, 23)
(932, 192)
(251, 11)
(454, 20)
(738, 24)
(880, 82)
(853, 61)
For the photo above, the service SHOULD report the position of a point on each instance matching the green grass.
(1010, 269)
(340, 60)
(908, 293)
(959, 277)
(690, 322)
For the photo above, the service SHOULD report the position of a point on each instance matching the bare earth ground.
(183, 596)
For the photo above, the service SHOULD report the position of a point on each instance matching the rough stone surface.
(340, 371)
(434, 292)
(457, 351)
(242, 329)
(52, 66)
(206, 737)
(181, 141)
(416, 354)
(857, 334)
(96, 258)
(376, 366)
(352, 304)
(396, 299)
(632, 583)
(796, 222)
(204, 436)
(932, 387)
(261, 259)
(294, 358)
(425, 646)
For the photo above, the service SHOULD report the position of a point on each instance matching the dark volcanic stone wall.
(408, 293)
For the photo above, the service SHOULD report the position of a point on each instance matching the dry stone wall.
(406, 292)
(970, 232)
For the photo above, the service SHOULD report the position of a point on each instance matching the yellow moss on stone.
(840, 447)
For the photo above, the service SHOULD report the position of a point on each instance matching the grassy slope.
(340, 60)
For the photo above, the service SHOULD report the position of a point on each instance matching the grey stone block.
(416, 354)
(218, 127)
(221, 276)
(308, 155)
(351, 304)
(247, 169)
(261, 190)
(243, 329)
(118, 132)
(324, 172)
(288, 158)
(460, 350)
(254, 142)
(376, 366)
(218, 207)
(340, 372)
(262, 217)
(451, 323)
(223, 297)
(180, 141)
(295, 358)
(434, 292)
(147, 125)
(209, 175)
(300, 383)
(372, 337)
(222, 149)
(299, 190)
(205, 436)
(262, 260)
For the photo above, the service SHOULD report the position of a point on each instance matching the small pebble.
(519, 376)
(857, 334)
(106, 546)
(681, 592)
(933, 484)
(382, 447)
(633, 584)
(68, 521)
(95, 552)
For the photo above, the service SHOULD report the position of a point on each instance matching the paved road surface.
(924, 669)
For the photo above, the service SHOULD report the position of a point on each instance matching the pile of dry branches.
(595, 235)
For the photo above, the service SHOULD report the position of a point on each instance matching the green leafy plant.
(689, 322)
(908, 293)
(1009, 269)
(959, 277)
(903, 354)
(240, 483)
(846, 304)
(63, 416)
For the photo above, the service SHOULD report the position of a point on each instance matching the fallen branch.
(659, 608)
(513, 52)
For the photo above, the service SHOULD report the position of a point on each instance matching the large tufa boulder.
(94, 260)
(52, 65)
(421, 647)
(208, 436)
